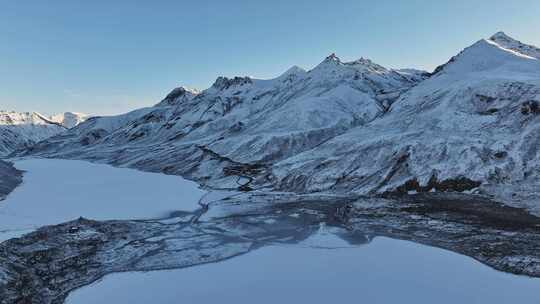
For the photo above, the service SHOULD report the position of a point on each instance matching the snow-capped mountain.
(22, 130)
(342, 127)
(474, 123)
(69, 119)
(240, 120)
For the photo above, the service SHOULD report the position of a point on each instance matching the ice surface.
(55, 191)
(385, 271)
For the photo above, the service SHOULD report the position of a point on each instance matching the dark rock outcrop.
(10, 178)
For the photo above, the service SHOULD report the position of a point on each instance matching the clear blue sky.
(105, 56)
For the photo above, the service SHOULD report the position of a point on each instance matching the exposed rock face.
(224, 83)
(344, 127)
(10, 178)
(178, 96)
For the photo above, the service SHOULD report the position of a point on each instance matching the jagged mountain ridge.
(342, 127)
(279, 117)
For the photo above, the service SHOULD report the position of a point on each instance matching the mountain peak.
(500, 35)
(367, 63)
(178, 95)
(293, 71)
(489, 54)
(362, 60)
(223, 83)
(515, 45)
(332, 58)
(180, 91)
(330, 62)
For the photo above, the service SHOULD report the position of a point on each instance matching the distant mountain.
(471, 125)
(474, 124)
(69, 119)
(22, 130)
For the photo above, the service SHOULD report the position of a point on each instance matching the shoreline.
(36, 263)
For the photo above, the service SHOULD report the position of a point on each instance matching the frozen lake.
(55, 191)
(384, 271)
(321, 269)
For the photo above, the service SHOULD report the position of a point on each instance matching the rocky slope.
(472, 125)
(22, 130)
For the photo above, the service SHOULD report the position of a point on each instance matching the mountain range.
(471, 125)
(22, 130)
